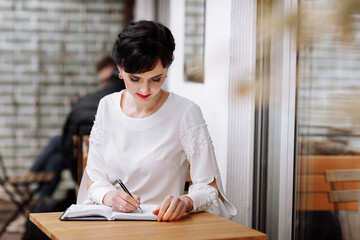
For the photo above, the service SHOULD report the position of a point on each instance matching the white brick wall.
(48, 51)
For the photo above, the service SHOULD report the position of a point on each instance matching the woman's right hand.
(120, 201)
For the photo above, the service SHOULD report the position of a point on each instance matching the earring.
(120, 76)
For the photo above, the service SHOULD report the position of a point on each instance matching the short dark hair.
(141, 44)
(104, 62)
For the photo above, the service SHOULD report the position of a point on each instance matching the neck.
(138, 110)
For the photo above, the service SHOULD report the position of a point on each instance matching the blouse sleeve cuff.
(97, 194)
(203, 199)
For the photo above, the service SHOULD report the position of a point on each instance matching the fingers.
(123, 202)
(163, 208)
(181, 213)
(137, 199)
(176, 214)
(156, 211)
(129, 199)
(123, 206)
(173, 208)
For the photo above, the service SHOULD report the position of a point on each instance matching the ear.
(120, 69)
(120, 72)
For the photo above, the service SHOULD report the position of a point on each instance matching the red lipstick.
(143, 96)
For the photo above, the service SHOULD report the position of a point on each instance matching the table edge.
(41, 227)
(263, 236)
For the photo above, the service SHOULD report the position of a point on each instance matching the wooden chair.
(81, 146)
(343, 185)
(81, 150)
(312, 187)
(345, 189)
(21, 190)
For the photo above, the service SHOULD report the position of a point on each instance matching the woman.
(147, 137)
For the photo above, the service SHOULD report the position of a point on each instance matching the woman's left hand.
(173, 208)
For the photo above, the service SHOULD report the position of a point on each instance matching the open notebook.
(102, 212)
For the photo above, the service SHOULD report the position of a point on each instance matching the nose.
(145, 89)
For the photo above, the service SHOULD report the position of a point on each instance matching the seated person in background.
(147, 137)
(49, 161)
(82, 114)
(58, 154)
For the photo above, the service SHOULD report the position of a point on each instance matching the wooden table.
(194, 226)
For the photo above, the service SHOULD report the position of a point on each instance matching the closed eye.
(156, 79)
(134, 79)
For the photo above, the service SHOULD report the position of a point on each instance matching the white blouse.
(151, 155)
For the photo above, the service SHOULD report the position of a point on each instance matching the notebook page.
(137, 215)
(88, 210)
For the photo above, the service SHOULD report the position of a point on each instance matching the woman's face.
(145, 86)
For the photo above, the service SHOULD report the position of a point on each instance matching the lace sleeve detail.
(196, 138)
(96, 132)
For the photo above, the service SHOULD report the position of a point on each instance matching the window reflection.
(328, 120)
(194, 40)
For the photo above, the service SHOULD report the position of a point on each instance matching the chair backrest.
(312, 187)
(81, 150)
(343, 185)
(84, 150)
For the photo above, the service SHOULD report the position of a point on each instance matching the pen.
(127, 191)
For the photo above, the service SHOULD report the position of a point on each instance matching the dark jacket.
(81, 119)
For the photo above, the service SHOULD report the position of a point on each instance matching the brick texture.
(48, 51)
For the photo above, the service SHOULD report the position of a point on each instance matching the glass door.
(328, 121)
